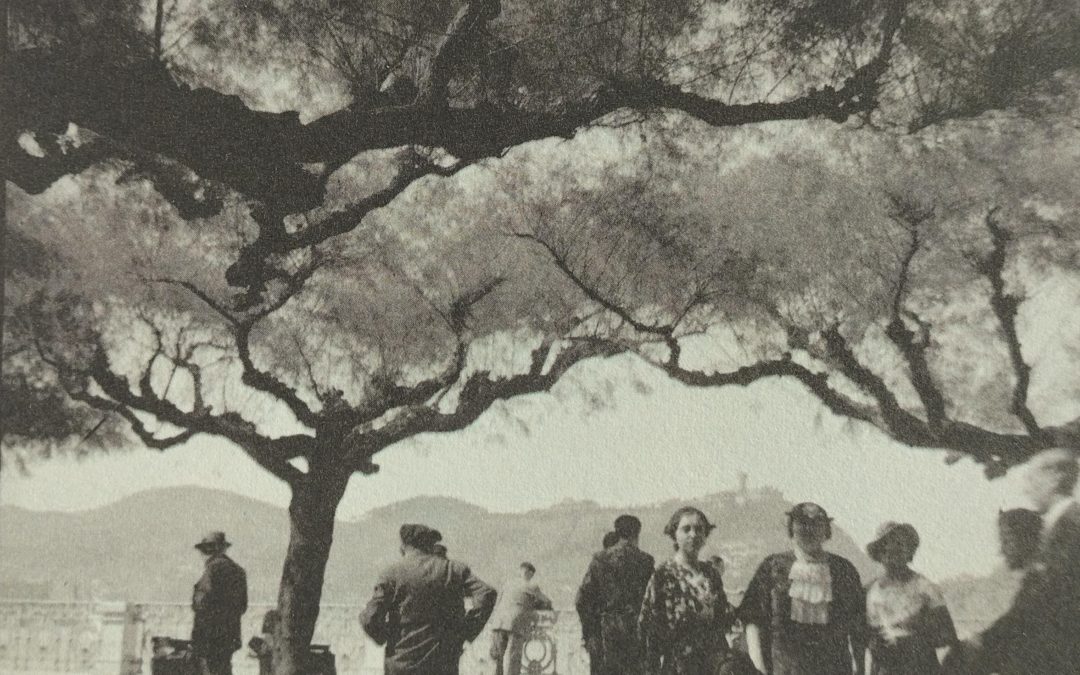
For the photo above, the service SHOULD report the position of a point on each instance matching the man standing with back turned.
(609, 600)
(219, 600)
(416, 610)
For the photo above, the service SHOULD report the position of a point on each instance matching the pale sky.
(620, 434)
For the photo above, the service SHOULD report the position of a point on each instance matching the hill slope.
(141, 547)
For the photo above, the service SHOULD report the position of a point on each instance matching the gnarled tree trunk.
(311, 530)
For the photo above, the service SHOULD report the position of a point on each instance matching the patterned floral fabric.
(684, 618)
(908, 620)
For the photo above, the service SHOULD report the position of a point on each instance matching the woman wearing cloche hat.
(804, 609)
(905, 611)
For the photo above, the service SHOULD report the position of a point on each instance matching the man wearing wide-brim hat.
(219, 600)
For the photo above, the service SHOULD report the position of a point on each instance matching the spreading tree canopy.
(315, 228)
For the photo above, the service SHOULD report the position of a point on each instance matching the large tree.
(925, 285)
(278, 222)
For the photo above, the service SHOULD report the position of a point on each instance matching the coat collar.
(1053, 516)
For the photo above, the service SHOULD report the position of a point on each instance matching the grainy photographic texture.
(540, 336)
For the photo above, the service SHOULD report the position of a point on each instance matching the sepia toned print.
(423, 317)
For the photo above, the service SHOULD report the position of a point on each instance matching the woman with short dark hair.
(685, 614)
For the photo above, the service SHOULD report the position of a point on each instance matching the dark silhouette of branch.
(911, 347)
(241, 329)
(252, 268)
(665, 332)
(263, 381)
(465, 28)
(898, 421)
(478, 392)
(1005, 306)
(144, 435)
(227, 425)
(265, 156)
(816, 383)
(393, 396)
(202, 295)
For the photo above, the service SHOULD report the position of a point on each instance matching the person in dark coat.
(1020, 531)
(1039, 634)
(609, 540)
(609, 600)
(219, 600)
(804, 610)
(416, 609)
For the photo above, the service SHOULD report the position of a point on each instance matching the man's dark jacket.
(416, 611)
(1040, 633)
(608, 603)
(219, 600)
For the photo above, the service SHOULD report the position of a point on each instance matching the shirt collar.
(1055, 513)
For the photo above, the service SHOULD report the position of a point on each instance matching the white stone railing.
(113, 638)
(101, 638)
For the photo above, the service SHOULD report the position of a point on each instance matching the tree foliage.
(315, 228)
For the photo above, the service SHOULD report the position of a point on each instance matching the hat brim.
(202, 545)
(874, 548)
(808, 519)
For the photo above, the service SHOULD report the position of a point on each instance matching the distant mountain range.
(140, 548)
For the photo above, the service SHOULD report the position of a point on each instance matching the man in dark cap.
(219, 600)
(1038, 635)
(609, 600)
(416, 609)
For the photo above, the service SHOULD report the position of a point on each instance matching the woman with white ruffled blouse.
(804, 610)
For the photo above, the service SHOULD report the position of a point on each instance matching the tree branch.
(202, 295)
(252, 268)
(394, 396)
(227, 425)
(665, 332)
(911, 217)
(263, 381)
(816, 383)
(477, 394)
(464, 29)
(898, 422)
(264, 155)
(145, 436)
(1005, 307)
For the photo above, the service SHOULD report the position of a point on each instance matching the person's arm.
(203, 589)
(586, 603)
(651, 628)
(754, 646)
(375, 617)
(858, 629)
(541, 600)
(483, 599)
(755, 613)
(241, 591)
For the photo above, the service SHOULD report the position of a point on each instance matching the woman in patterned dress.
(685, 614)
(905, 611)
(804, 610)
